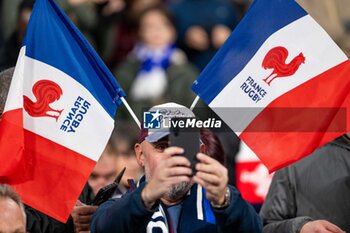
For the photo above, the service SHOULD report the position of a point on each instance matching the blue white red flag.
(280, 82)
(58, 116)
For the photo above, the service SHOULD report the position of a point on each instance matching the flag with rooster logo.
(280, 82)
(58, 116)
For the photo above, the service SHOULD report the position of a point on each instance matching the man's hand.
(81, 215)
(320, 226)
(213, 176)
(171, 170)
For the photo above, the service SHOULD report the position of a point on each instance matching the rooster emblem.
(276, 59)
(45, 92)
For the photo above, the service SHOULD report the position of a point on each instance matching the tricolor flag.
(280, 82)
(58, 116)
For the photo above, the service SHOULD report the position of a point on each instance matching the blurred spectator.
(108, 7)
(89, 15)
(311, 195)
(121, 37)
(12, 46)
(109, 14)
(12, 215)
(83, 14)
(8, 16)
(126, 158)
(200, 35)
(117, 155)
(104, 172)
(156, 71)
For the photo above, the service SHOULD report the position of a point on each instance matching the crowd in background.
(166, 51)
(155, 49)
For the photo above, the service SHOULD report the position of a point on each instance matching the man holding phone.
(172, 198)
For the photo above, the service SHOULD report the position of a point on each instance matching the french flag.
(58, 116)
(280, 82)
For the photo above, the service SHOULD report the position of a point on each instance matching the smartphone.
(108, 191)
(188, 139)
(105, 193)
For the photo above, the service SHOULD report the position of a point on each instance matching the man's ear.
(139, 154)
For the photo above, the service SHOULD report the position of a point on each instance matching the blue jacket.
(129, 215)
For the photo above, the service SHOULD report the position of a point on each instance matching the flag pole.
(131, 112)
(195, 101)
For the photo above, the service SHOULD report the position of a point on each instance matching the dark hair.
(5, 81)
(213, 145)
(159, 8)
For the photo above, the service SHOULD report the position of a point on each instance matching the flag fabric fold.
(280, 82)
(59, 113)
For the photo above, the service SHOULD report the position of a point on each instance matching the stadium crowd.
(156, 49)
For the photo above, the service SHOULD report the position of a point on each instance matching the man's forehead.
(11, 213)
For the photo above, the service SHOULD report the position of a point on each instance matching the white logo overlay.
(163, 120)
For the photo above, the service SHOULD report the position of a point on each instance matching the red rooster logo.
(45, 92)
(276, 59)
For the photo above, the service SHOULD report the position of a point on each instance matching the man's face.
(153, 154)
(133, 169)
(155, 30)
(11, 217)
(103, 174)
